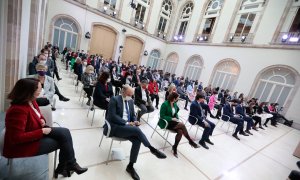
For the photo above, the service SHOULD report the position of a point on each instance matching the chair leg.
(154, 130)
(10, 166)
(54, 165)
(101, 140)
(228, 127)
(109, 151)
(166, 140)
(93, 117)
(223, 124)
(196, 132)
(148, 117)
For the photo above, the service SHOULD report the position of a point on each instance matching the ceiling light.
(294, 39)
(243, 38)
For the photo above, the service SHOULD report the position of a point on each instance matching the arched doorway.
(132, 50)
(65, 33)
(193, 68)
(154, 59)
(275, 84)
(171, 63)
(225, 74)
(103, 41)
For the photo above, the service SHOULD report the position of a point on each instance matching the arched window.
(193, 68)
(184, 19)
(154, 59)
(164, 20)
(246, 20)
(141, 13)
(209, 20)
(290, 29)
(171, 63)
(226, 74)
(65, 33)
(275, 85)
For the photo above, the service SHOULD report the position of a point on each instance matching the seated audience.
(239, 109)
(78, 69)
(266, 115)
(27, 133)
(89, 78)
(46, 96)
(171, 88)
(183, 94)
(250, 111)
(103, 91)
(116, 80)
(142, 99)
(235, 119)
(197, 114)
(153, 90)
(191, 92)
(169, 112)
(122, 119)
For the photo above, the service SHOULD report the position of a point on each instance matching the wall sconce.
(135, 23)
(243, 38)
(105, 8)
(231, 38)
(143, 26)
(132, 5)
(124, 30)
(146, 53)
(88, 35)
(164, 36)
(114, 14)
(120, 48)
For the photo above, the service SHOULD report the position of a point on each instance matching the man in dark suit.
(142, 99)
(239, 109)
(234, 118)
(123, 123)
(196, 113)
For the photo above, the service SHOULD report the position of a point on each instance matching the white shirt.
(35, 110)
(125, 115)
(173, 111)
(144, 95)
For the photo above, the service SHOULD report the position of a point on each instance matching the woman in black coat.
(103, 91)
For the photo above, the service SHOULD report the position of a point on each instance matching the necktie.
(127, 110)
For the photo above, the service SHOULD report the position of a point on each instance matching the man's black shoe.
(158, 154)
(133, 173)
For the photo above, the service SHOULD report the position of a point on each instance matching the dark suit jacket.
(239, 109)
(115, 114)
(100, 94)
(196, 112)
(227, 110)
(23, 131)
(138, 96)
(135, 80)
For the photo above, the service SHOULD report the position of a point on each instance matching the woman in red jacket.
(27, 133)
(153, 90)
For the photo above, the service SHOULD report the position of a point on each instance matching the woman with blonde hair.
(171, 88)
(89, 79)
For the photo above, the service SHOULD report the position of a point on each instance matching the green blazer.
(166, 113)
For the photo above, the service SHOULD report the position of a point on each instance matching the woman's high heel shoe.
(76, 168)
(174, 149)
(61, 169)
(193, 144)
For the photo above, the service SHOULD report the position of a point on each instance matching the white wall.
(251, 61)
(69, 9)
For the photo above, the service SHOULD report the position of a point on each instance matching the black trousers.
(57, 92)
(156, 97)
(42, 101)
(135, 136)
(89, 91)
(208, 131)
(257, 120)
(239, 122)
(186, 98)
(59, 138)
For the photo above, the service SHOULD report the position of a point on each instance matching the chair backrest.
(2, 135)
(225, 117)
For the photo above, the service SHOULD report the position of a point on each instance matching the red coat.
(153, 86)
(23, 131)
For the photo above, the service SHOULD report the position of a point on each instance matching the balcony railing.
(109, 10)
(178, 38)
(138, 24)
(289, 38)
(161, 34)
(240, 38)
(203, 38)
